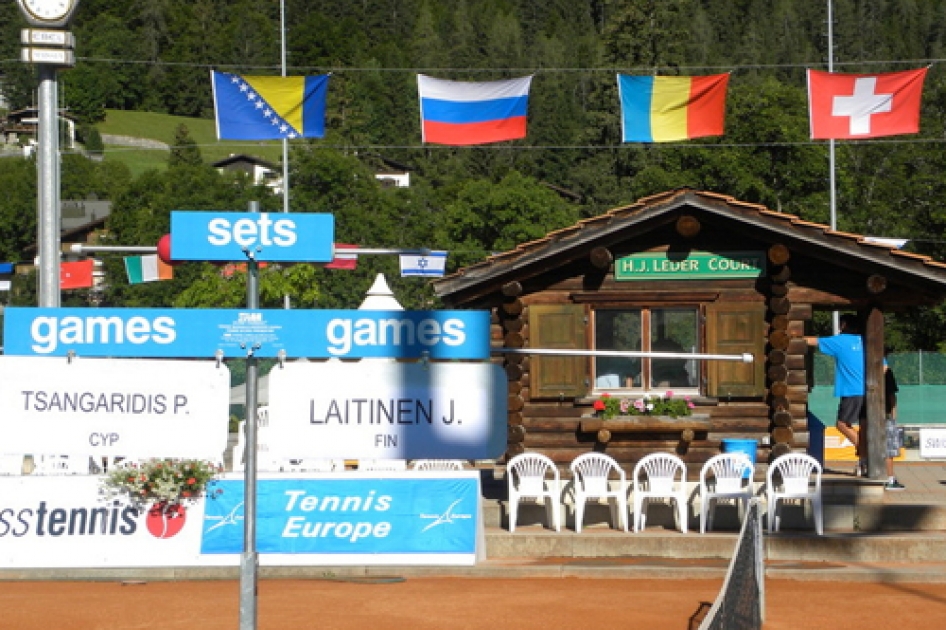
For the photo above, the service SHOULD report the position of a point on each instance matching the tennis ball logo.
(165, 521)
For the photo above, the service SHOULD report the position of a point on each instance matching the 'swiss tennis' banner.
(307, 520)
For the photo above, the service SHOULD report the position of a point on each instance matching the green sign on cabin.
(690, 266)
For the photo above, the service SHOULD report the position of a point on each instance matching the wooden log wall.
(511, 317)
(776, 369)
(552, 426)
(786, 358)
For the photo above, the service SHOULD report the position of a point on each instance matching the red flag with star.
(855, 106)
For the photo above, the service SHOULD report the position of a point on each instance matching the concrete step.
(536, 542)
(838, 517)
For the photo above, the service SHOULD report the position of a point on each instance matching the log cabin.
(683, 270)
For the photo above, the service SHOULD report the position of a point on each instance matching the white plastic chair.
(794, 476)
(593, 480)
(437, 464)
(726, 477)
(659, 476)
(528, 476)
(382, 465)
(72, 464)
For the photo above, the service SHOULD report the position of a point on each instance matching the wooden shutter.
(558, 326)
(735, 328)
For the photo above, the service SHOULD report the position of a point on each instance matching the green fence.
(911, 368)
(920, 375)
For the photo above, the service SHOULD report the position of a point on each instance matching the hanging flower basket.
(161, 482)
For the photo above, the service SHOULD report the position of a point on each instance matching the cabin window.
(649, 330)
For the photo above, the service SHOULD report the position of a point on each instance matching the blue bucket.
(749, 447)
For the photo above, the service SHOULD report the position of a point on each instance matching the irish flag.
(147, 269)
(669, 109)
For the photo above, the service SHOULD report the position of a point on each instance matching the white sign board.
(114, 407)
(379, 409)
(933, 443)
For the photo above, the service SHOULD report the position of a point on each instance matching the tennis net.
(740, 604)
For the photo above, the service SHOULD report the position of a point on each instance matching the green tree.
(185, 151)
(488, 217)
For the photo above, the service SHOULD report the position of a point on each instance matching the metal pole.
(744, 358)
(835, 316)
(249, 560)
(285, 141)
(287, 303)
(47, 169)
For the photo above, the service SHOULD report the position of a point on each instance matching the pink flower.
(669, 394)
(639, 404)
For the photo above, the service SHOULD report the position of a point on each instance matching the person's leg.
(848, 431)
(892, 450)
(849, 411)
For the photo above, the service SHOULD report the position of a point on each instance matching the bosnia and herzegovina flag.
(269, 108)
(460, 113)
(668, 109)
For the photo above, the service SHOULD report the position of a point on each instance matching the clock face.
(50, 10)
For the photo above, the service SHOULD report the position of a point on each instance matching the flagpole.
(835, 316)
(285, 141)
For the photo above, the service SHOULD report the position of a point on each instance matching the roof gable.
(850, 252)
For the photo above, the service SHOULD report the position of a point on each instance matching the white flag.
(432, 264)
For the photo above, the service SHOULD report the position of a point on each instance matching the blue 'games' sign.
(230, 236)
(155, 332)
(348, 516)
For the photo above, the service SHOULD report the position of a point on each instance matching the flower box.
(686, 426)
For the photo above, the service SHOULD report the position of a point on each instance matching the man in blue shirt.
(847, 348)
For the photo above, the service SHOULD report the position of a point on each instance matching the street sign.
(378, 409)
(172, 333)
(47, 37)
(110, 407)
(230, 236)
(50, 56)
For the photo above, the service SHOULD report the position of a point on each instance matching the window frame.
(646, 314)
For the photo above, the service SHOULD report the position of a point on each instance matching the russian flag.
(668, 109)
(460, 113)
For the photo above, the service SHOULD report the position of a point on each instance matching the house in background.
(394, 179)
(20, 128)
(262, 172)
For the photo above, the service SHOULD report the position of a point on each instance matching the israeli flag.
(433, 264)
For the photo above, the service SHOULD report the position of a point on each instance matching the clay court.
(458, 603)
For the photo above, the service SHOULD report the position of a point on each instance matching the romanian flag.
(669, 109)
(269, 108)
(458, 113)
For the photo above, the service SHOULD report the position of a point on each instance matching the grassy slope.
(161, 127)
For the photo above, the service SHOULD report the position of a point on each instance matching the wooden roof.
(850, 252)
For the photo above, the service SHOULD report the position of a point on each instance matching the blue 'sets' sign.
(156, 332)
(230, 236)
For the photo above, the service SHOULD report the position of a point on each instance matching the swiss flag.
(76, 275)
(854, 106)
